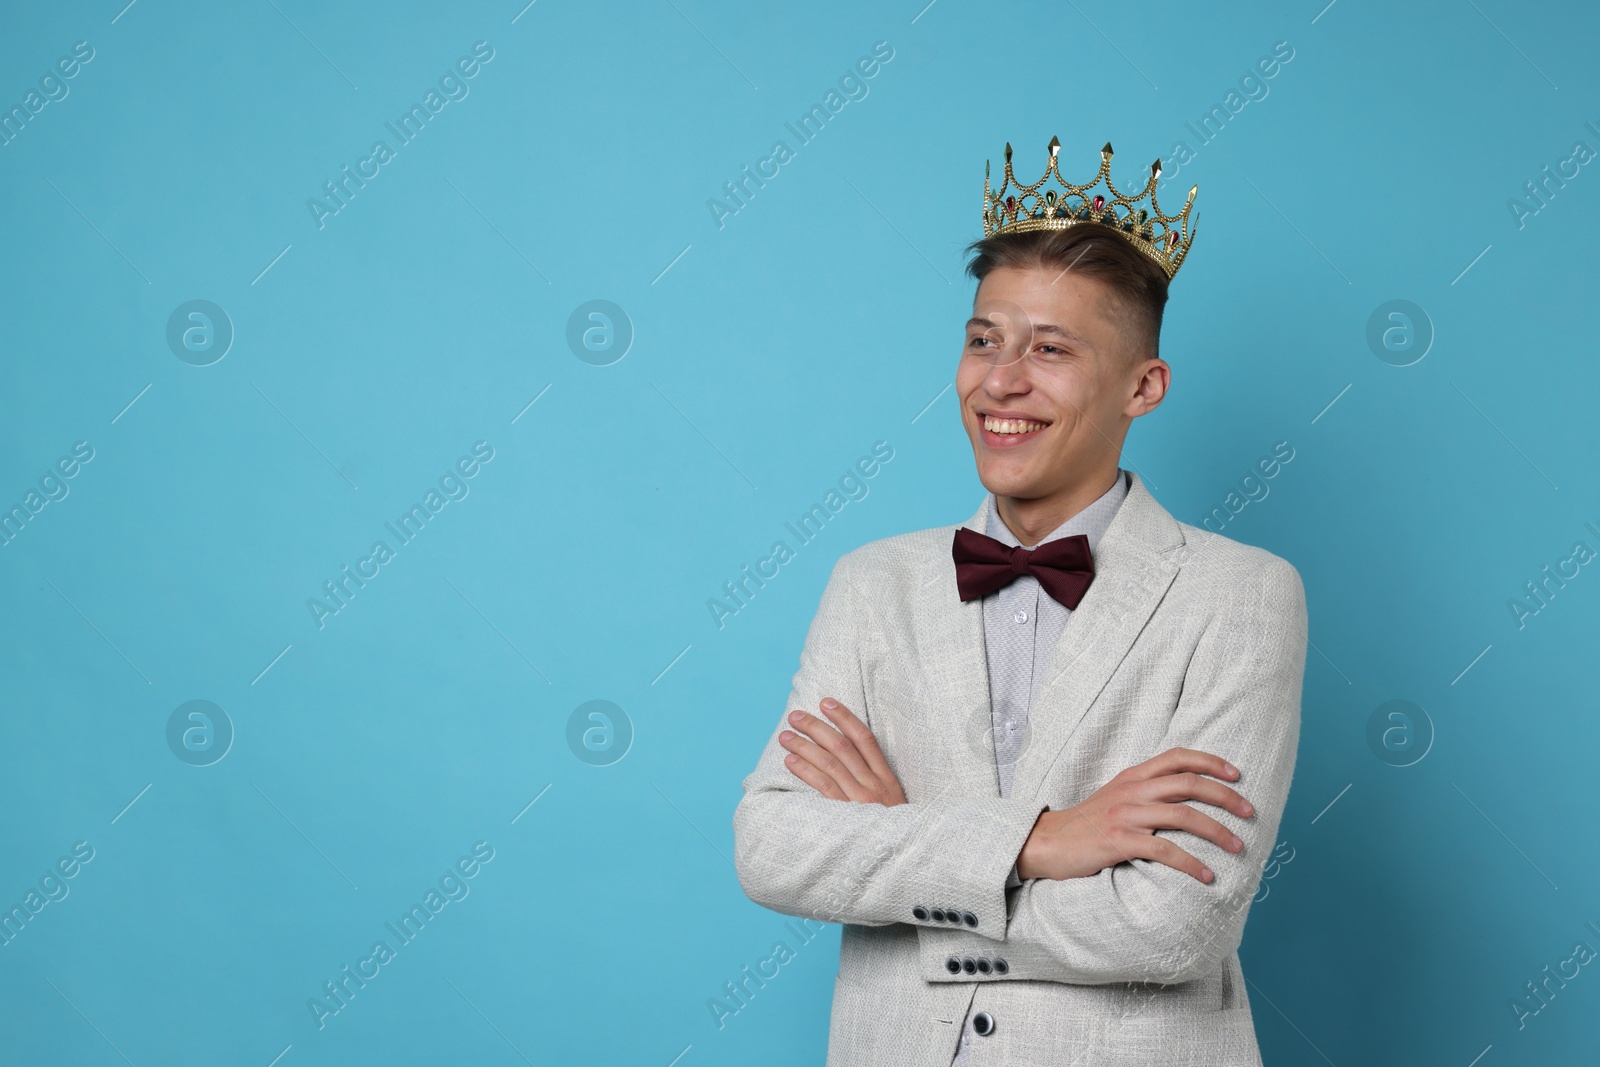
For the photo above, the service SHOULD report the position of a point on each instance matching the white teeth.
(1008, 426)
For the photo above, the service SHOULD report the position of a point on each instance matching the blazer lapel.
(1135, 562)
(954, 662)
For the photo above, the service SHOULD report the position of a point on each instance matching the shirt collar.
(1092, 521)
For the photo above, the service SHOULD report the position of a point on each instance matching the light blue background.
(769, 354)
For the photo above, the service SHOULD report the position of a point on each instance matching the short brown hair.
(1095, 252)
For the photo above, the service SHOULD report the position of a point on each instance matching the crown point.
(1008, 151)
(1106, 151)
(1055, 146)
(1155, 169)
(986, 170)
(1192, 190)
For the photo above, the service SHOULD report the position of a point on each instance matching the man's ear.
(1150, 387)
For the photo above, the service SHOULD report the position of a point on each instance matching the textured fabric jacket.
(1185, 639)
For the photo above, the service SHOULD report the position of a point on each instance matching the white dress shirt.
(1021, 625)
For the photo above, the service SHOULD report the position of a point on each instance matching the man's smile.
(1008, 429)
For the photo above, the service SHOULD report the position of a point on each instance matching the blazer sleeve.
(1142, 921)
(801, 853)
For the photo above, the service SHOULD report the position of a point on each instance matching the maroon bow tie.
(1063, 567)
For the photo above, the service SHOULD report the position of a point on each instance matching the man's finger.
(1179, 760)
(1192, 786)
(813, 777)
(837, 743)
(1165, 852)
(863, 738)
(808, 751)
(1183, 817)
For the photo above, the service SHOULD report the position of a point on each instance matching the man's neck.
(1030, 521)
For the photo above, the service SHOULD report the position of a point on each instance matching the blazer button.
(938, 915)
(969, 965)
(970, 919)
(983, 965)
(983, 1024)
(952, 965)
(920, 913)
(1001, 966)
(952, 915)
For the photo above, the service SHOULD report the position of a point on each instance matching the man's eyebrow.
(1045, 327)
(1038, 328)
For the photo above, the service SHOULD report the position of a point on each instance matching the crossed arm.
(1109, 894)
(1115, 824)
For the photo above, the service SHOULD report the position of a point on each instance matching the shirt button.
(1021, 616)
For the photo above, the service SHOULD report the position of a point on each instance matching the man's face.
(1071, 400)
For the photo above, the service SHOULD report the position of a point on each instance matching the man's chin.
(1023, 485)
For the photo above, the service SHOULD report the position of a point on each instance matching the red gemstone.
(1011, 205)
(1172, 239)
(1099, 202)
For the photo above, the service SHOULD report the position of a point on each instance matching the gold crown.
(1164, 238)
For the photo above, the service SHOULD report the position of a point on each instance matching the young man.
(1035, 763)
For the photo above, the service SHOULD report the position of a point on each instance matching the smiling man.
(1035, 763)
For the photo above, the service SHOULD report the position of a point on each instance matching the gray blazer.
(1186, 638)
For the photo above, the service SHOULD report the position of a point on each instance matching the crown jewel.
(1018, 208)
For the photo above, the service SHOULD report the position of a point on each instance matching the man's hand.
(842, 764)
(1119, 820)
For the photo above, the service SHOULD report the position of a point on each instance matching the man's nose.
(1005, 379)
